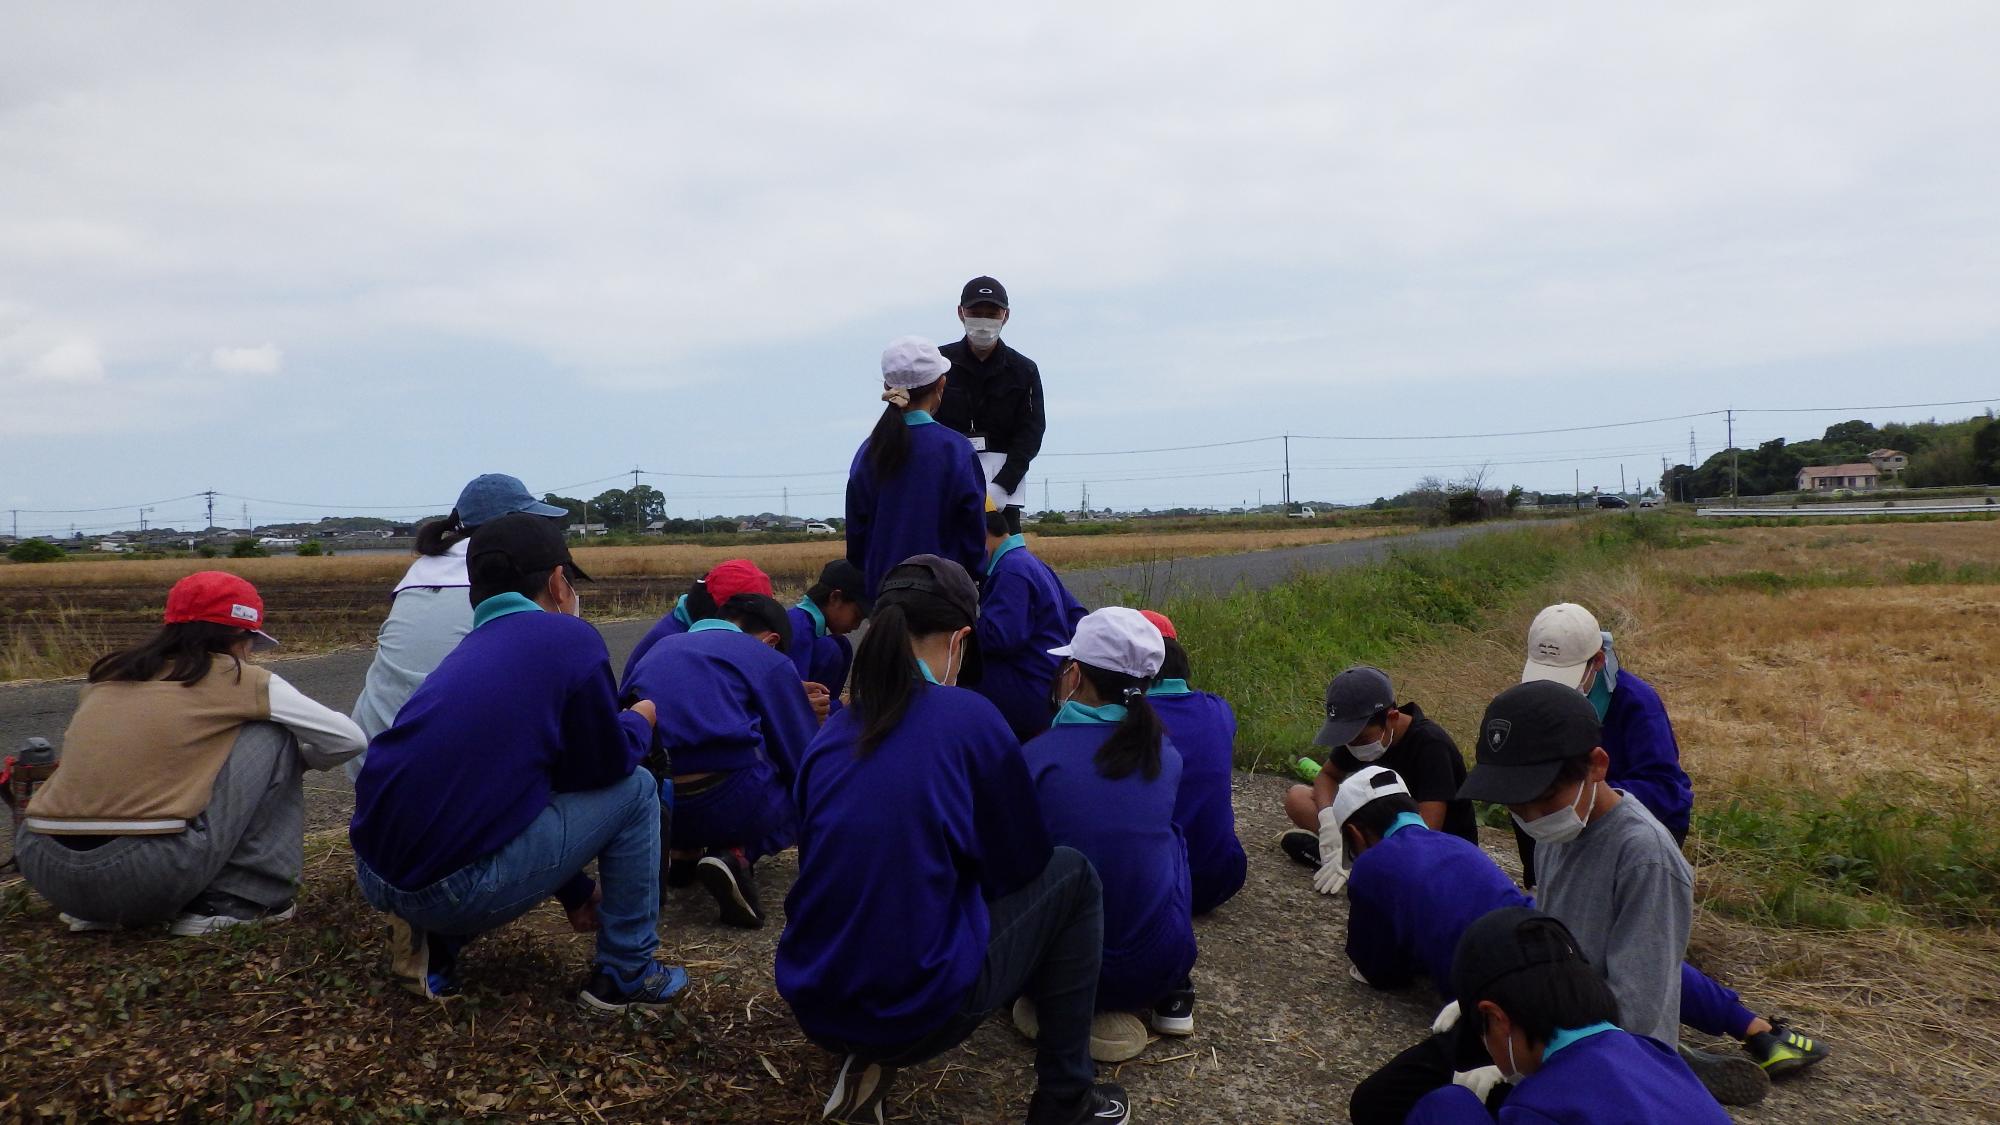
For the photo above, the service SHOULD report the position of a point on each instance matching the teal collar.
(713, 624)
(1011, 543)
(1565, 1036)
(813, 611)
(1076, 714)
(1170, 687)
(681, 611)
(917, 418)
(1402, 821)
(924, 670)
(502, 605)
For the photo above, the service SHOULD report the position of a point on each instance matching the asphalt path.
(335, 678)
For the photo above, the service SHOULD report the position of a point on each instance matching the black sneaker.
(727, 876)
(858, 1091)
(1730, 1079)
(1102, 1104)
(1302, 846)
(1784, 1050)
(656, 991)
(680, 872)
(1174, 1014)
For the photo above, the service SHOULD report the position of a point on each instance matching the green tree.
(312, 547)
(35, 551)
(1947, 461)
(247, 549)
(612, 508)
(569, 504)
(1986, 452)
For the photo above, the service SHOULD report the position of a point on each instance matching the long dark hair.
(1135, 744)
(437, 536)
(885, 676)
(184, 652)
(1176, 666)
(889, 442)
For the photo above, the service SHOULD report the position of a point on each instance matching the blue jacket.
(1125, 827)
(523, 708)
(725, 701)
(673, 624)
(1611, 1076)
(935, 505)
(1024, 611)
(899, 853)
(1645, 759)
(1203, 729)
(1411, 896)
(820, 657)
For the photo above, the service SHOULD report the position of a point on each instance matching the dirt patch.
(298, 1022)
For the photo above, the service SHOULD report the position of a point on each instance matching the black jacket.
(999, 397)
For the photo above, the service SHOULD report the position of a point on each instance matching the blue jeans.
(618, 826)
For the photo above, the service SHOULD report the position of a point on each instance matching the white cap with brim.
(912, 361)
(1363, 786)
(1117, 639)
(1561, 643)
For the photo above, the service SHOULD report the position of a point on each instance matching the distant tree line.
(1941, 454)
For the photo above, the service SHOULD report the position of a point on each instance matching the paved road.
(335, 678)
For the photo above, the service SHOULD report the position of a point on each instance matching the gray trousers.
(248, 845)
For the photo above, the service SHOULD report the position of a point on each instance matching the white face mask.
(1372, 751)
(982, 330)
(1563, 825)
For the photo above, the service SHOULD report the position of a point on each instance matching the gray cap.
(1354, 697)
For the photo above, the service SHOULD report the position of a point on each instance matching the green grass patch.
(1270, 652)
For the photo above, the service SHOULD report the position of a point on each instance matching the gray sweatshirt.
(424, 625)
(1623, 889)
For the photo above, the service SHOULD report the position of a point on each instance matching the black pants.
(1387, 1096)
(1526, 844)
(1045, 941)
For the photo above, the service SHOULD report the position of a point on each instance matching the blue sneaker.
(654, 992)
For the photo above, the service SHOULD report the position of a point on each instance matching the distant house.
(1889, 462)
(588, 529)
(1860, 476)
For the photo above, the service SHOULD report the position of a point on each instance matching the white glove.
(1354, 970)
(1332, 873)
(1481, 1081)
(1446, 1019)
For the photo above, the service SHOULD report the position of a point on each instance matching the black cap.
(1352, 698)
(938, 577)
(761, 613)
(982, 291)
(514, 546)
(847, 578)
(1528, 732)
(1503, 942)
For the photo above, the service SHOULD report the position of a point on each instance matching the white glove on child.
(1481, 1081)
(1332, 873)
(1446, 1019)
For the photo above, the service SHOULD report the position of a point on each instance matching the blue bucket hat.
(496, 494)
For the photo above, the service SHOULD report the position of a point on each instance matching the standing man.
(994, 397)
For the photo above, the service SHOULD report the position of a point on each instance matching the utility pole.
(1621, 480)
(16, 513)
(1576, 493)
(210, 494)
(1730, 417)
(785, 503)
(1288, 474)
(246, 518)
(1046, 506)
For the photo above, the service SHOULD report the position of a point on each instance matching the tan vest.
(140, 758)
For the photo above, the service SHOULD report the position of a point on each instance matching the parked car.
(1609, 501)
(818, 528)
(1649, 502)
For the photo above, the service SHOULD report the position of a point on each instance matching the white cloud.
(263, 359)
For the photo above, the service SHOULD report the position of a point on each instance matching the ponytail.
(438, 536)
(885, 676)
(889, 442)
(1134, 744)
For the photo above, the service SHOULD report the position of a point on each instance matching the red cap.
(219, 598)
(737, 576)
(1160, 621)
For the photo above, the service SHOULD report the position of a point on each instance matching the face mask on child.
(1563, 825)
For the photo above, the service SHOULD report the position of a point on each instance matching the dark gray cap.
(938, 577)
(1526, 735)
(1354, 697)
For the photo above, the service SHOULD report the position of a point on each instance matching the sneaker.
(1174, 1014)
(1730, 1079)
(1102, 1104)
(858, 1092)
(85, 926)
(1783, 1050)
(680, 872)
(204, 916)
(1116, 1037)
(1302, 846)
(727, 876)
(424, 963)
(655, 992)
(1025, 1020)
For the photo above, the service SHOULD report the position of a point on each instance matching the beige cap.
(1561, 641)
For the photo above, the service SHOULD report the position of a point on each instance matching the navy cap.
(516, 545)
(1354, 697)
(1503, 942)
(494, 495)
(982, 291)
(1527, 734)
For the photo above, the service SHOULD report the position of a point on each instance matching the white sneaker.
(1116, 1037)
(198, 925)
(84, 925)
(1025, 1020)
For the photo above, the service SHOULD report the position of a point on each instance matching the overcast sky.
(325, 255)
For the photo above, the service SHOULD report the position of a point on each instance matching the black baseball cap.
(932, 576)
(513, 546)
(1527, 734)
(1512, 939)
(982, 290)
(847, 578)
(1352, 698)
